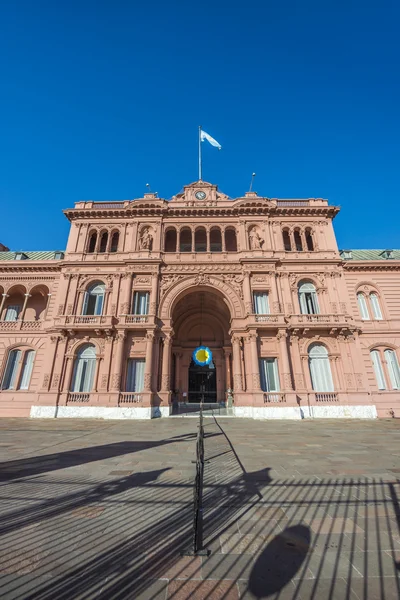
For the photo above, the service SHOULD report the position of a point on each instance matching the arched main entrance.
(199, 317)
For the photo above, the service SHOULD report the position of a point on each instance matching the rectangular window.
(11, 370)
(362, 305)
(141, 303)
(379, 374)
(393, 368)
(12, 312)
(309, 303)
(27, 370)
(261, 304)
(269, 376)
(135, 375)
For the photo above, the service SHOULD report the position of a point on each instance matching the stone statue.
(145, 240)
(255, 240)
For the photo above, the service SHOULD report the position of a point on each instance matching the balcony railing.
(130, 398)
(84, 320)
(20, 325)
(266, 318)
(319, 319)
(274, 397)
(129, 319)
(78, 397)
(326, 397)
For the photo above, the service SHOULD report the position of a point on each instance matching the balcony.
(267, 319)
(85, 321)
(333, 320)
(129, 398)
(6, 326)
(78, 397)
(135, 320)
(274, 398)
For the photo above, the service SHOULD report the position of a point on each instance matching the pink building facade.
(107, 328)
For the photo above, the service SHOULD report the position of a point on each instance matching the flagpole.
(200, 165)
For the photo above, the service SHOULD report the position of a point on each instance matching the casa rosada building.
(107, 329)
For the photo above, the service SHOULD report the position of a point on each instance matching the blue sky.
(98, 98)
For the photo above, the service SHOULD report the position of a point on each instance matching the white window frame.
(10, 373)
(378, 370)
(320, 369)
(269, 377)
(308, 299)
(135, 375)
(12, 312)
(375, 305)
(261, 302)
(363, 306)
(26, 370)
(393, 368)
(84, 370)
(141, 302)
(97, 292)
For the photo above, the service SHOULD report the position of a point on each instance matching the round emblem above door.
(200, 195)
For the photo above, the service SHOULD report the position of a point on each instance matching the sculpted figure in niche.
(145, 240)
(255, 241)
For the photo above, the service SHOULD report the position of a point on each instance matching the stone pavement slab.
(292, 510)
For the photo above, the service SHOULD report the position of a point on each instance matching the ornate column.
(208, 239)
(223, 246)
(284, 356)
(297, 363)
(154, 294)
(193, 239)
(255, 367)
(303, 240)
(49, 358)
(117, 363)
(292, 243)
(126, 304)
(5, 296)
(237, 368)
(178, 357)
(80, 302)
(228, 375)
(247, 293)
(22, 315)
(166, 364)
(106, 364)
(149, 361)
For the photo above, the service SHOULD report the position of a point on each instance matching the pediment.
(200, 193)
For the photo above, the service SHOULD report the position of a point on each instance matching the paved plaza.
(292, 510)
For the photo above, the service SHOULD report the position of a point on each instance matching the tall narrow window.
(309, 240)
(308, 299)
(200, 240)
(135, 375)
(362, 305)
(141, 303)
(12, 312)
(320, 369)
(114, 242)
(379, 374)
(92, 242)
(170, 240)
(10, 373)
(84, 368)
(215, 240)
(297, 241)
(269, 376)
(26, 370)
(185, 240)
(376, 309)
(94, 299)
(393, 368)
(103, 242)
(261, 304)
(286, 240)
(230, 240)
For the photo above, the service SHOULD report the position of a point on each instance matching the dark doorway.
(202, 383)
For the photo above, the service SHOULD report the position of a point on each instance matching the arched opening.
(320, 368)
(230, 240)
(37, 303)
(84, 368)
(114, 242)
(308, 298)
(103, 242)
(185, 240)
(286, 240)
(18, 371)
(92, 242)
(14, 303)
(297, 241)
(200, 240)
(201, 318)
(170, 240)
(215, 240)
(309, 240)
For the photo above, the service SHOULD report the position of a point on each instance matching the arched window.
(170, 240)
(320, 368)
(92, 242)
(308, 299)
(376, 309)
(103, 242)
(200, 240)
(94, 299)
(114, 242)
(230, 240)
(378, 369)
(362, 305)
(84, 368)
(393, 368)
(309, 240)
(12, 379)
(185, 240)
(297, 241)
(215, 240)
(286, 240)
